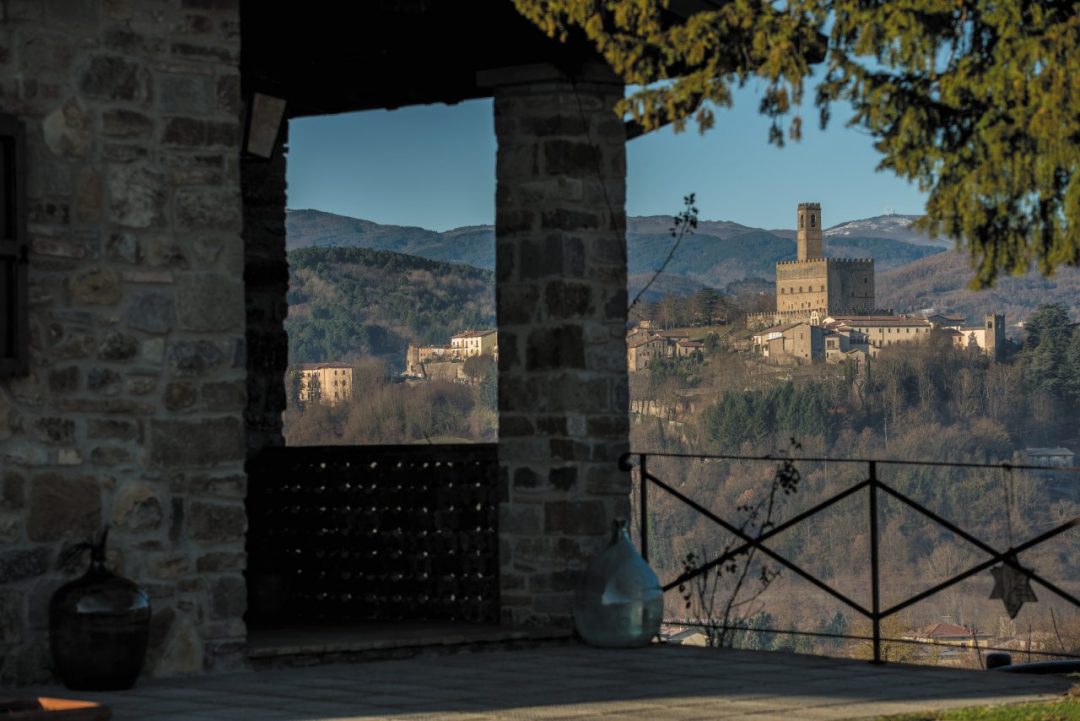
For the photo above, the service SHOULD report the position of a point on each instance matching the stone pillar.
(266, 283)
(560, 228)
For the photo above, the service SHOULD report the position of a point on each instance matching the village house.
(843, 344)
(687, 348)
(1057, 457)
(882, 331)
(950, 634)
(645, 345)
(334, 382)
(640, 353)
(988, 337)
(475, 342)
(425, 361)
(791, 343)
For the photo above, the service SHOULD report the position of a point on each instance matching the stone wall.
(132, 411)
(561, 304)
(266, 277)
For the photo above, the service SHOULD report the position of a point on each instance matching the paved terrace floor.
(658, 683)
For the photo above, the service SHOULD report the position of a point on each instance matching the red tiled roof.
(947, 630)
(644, 341)
(777, 329)
(883, 322)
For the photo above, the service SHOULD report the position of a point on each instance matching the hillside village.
(825, 313)
(447, 362)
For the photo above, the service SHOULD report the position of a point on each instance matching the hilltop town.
(825, 312)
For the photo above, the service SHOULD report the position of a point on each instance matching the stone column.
(560, 228)
(266, 283)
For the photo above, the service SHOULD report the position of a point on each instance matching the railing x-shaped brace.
(873, 484)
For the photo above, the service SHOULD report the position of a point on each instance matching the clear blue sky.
(434, 166)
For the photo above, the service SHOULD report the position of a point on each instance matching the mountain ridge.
(716, 254)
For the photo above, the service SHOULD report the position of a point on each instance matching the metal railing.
(875, 487)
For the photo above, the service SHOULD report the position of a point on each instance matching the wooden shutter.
(14, 250)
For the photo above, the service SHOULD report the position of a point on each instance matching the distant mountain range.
(361, 288)
(716, 254)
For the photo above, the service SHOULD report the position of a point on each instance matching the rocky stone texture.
(133, 411)
(561, 302)
(266, 278)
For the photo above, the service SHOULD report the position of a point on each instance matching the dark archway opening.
(343, 536)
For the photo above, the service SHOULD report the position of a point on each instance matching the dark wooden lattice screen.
(352, 533)
(14, 250)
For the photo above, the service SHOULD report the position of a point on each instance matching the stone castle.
(813, 286)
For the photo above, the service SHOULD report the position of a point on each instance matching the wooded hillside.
(349, 302)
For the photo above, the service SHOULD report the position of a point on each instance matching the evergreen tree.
(314, 389)
(975, 101)
(294, 383)
(1046, 348)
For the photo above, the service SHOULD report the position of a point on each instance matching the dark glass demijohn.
(99, 626)
(619, 602)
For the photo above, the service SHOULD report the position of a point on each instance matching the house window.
(14, 250)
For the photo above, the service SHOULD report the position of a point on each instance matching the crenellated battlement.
(812, 282)
(868, 261)
(801, 262)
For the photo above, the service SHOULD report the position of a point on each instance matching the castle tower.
(809, 234)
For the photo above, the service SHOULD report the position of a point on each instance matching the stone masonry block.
(20, 564)
(136, 195)
(62, 507)
(518, 304)
(196, 443)
(209, 302)
(185, 94)
(217, 523)
(568, 123)
(568, 300)
(198, 208)
(116, 78)
(122, 123)
(576, 518)
(153, 312)
(605, 479)
(549, 550)
(555, 348)
(563, 478)
(96, 286)
(521, 519)
(571, 220)
(574, 158)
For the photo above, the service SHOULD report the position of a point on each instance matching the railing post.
(875, 590)
(644, 510)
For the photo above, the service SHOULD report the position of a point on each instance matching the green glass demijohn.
(619, 602)
(99, 626)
